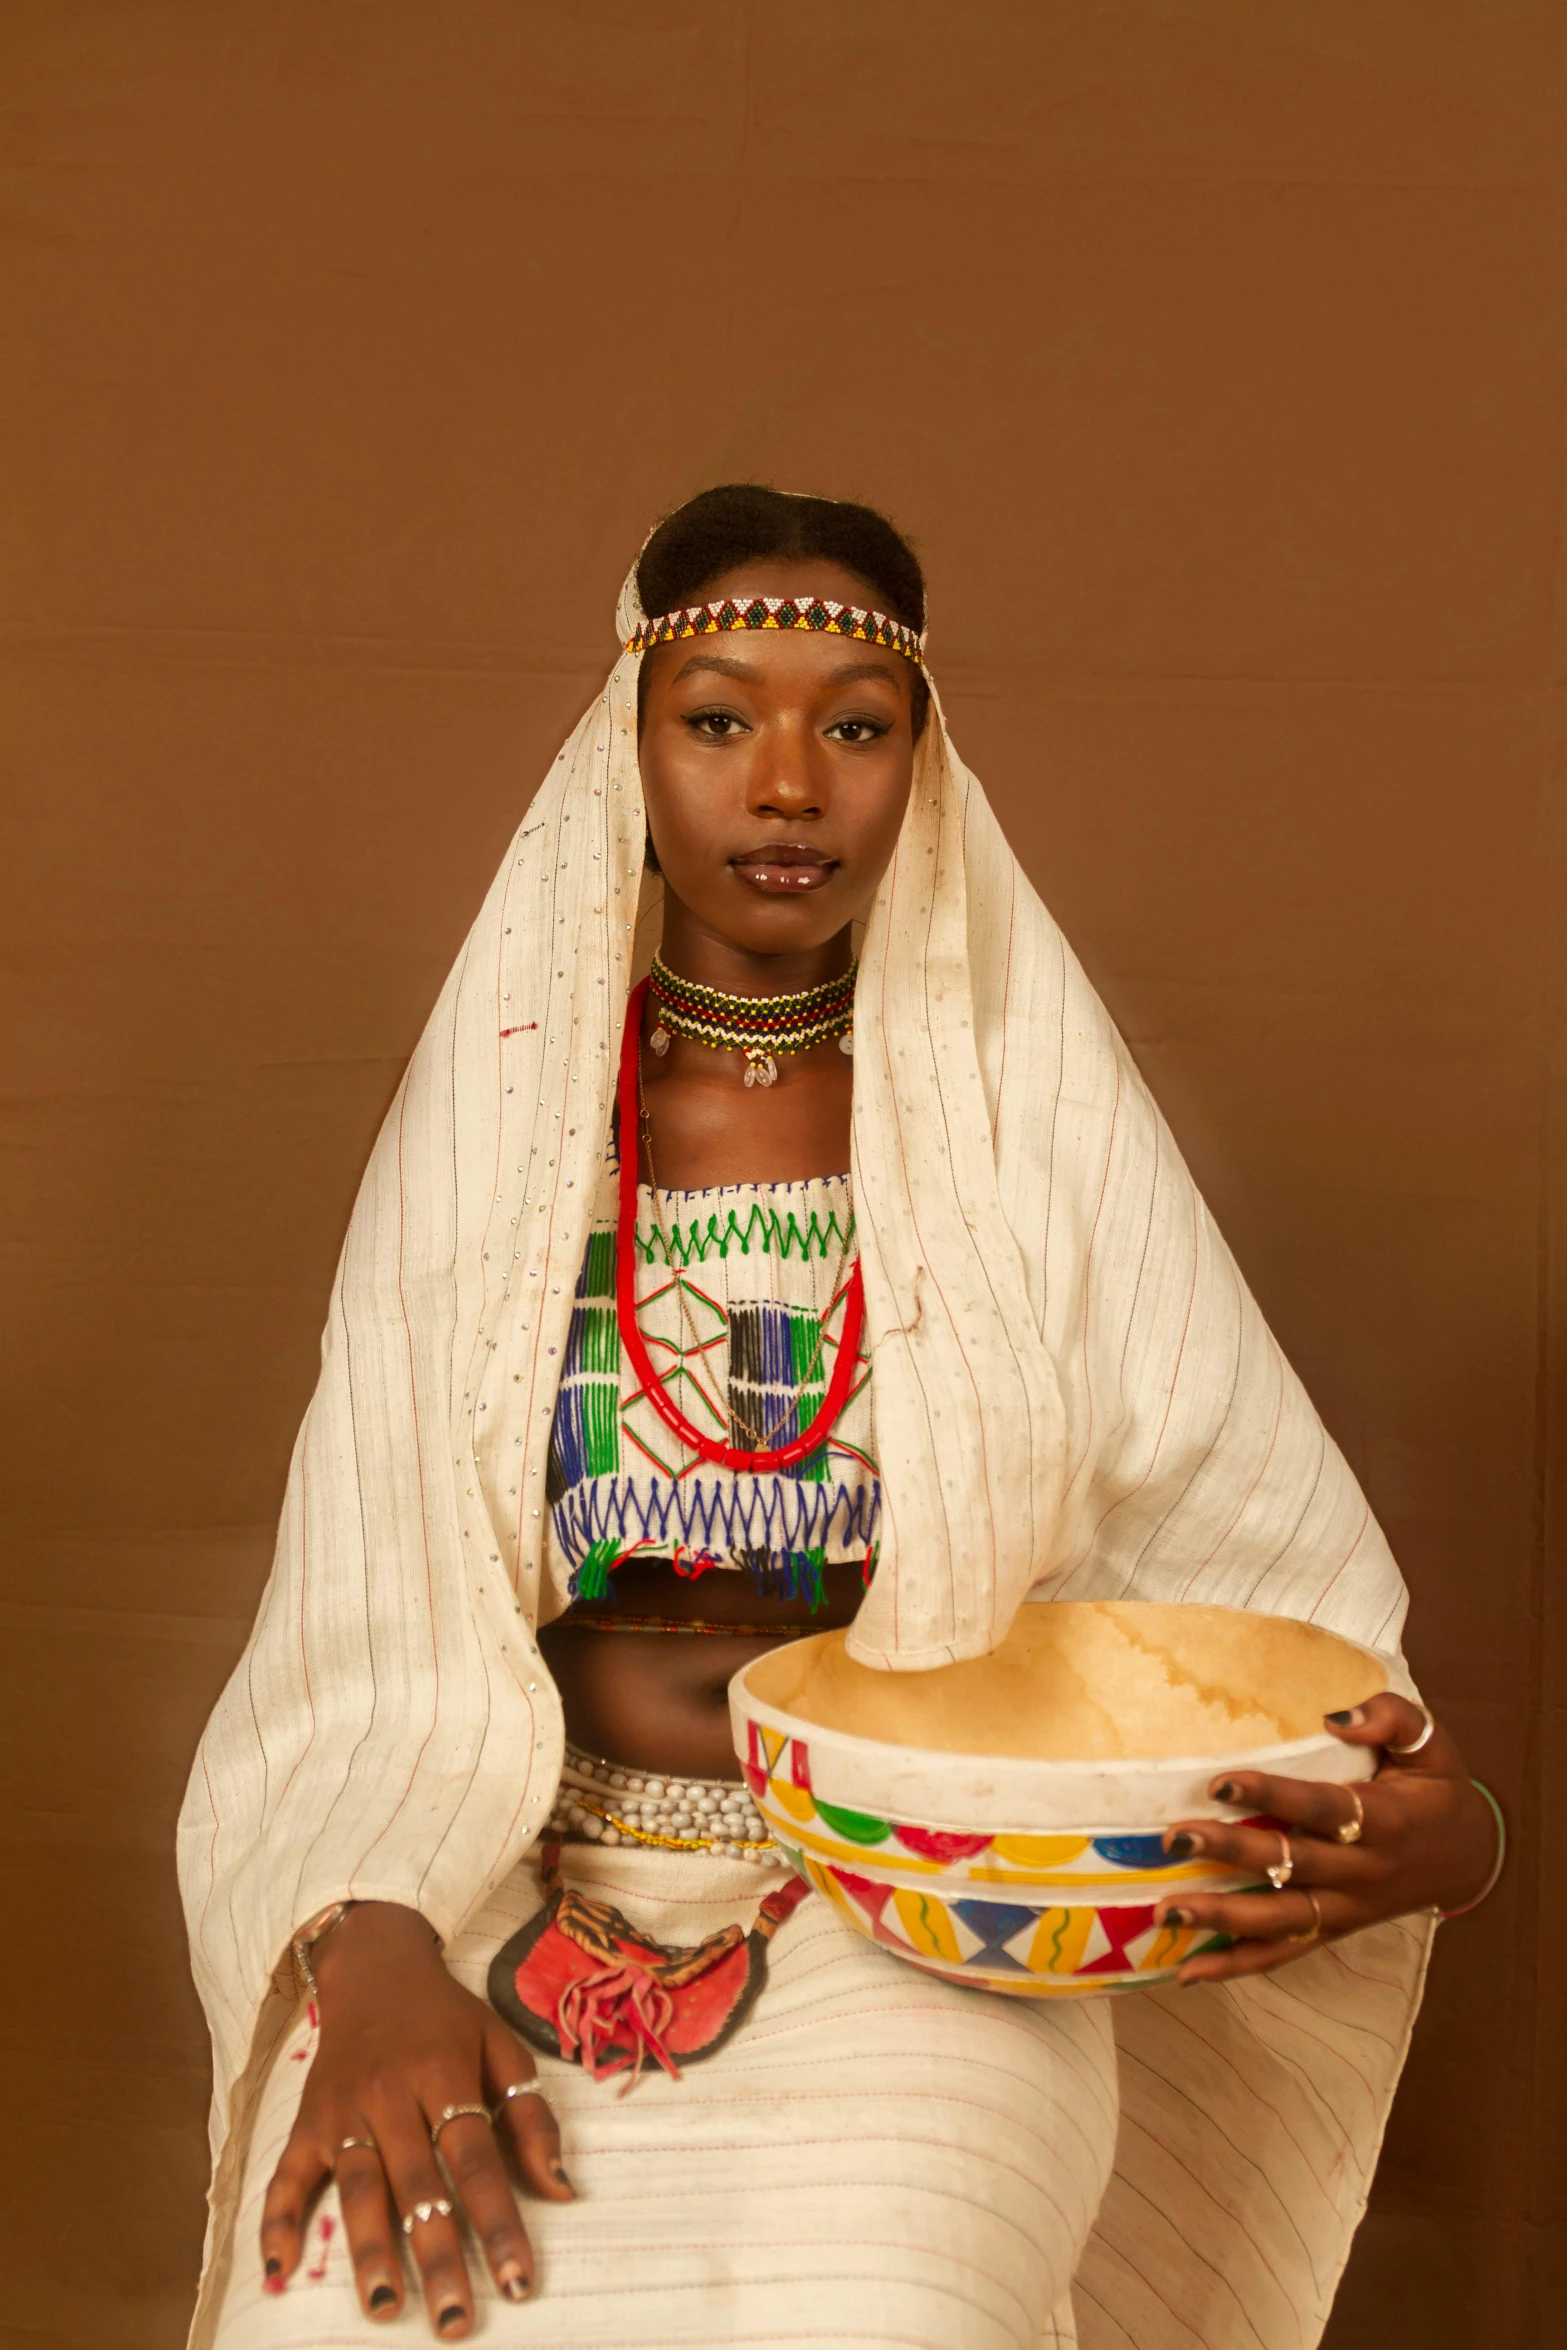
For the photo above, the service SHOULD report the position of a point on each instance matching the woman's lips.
(784, 872)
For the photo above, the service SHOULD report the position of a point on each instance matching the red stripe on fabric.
(1116, 2252)
(677, 2148)
(1209, 2121)
(212, 1852)
(304, 1652)
(1339, 2055)
(1241, 1507)
(1360, 1533)
(424, 1522)
(1186, 2025)
(628, 2245)
(1133, 2121)
(1106, 2109)
(1088, 1284)
(1001, 2018)
(1006, 995)
(922, 1260)
(1169, 1406)
(1389, 1983)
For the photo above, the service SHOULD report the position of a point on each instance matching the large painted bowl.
(1000, 1822)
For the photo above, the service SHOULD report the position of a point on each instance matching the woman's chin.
(756, 921)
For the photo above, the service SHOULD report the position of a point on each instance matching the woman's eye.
(857, 730)
(717, 725)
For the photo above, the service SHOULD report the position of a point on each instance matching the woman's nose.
(786, 783)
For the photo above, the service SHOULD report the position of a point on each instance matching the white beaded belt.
(602, 1802)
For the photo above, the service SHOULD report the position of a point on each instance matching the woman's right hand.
(399, 2041)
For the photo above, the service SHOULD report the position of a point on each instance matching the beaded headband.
(871, 628)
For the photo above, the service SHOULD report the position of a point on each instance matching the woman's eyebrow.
(725, 668)
(854, 669)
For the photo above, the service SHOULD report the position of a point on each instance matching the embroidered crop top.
(732, 1286)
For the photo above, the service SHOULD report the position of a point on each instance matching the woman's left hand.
(1427, 1840)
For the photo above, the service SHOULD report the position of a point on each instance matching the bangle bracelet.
(1501, 1856)
(307, 1938)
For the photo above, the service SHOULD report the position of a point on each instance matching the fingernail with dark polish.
(1226, 1792)
(1176, 1917)
(515, 2288)
(1181, 1846)
(558, 2174)
(382, 2297)
(274, 2267)
(1351, 1715)
(452, 2315)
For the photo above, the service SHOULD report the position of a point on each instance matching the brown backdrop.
(1212, 349)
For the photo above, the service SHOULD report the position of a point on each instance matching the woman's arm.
(1417, 1836)
(401, 2042)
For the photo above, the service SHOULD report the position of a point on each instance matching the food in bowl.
(1001, 1821)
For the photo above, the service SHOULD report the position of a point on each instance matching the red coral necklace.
(726, 1456)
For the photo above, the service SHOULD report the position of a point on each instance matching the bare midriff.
(659, 1701)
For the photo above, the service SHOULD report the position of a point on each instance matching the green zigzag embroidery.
(762, 1229)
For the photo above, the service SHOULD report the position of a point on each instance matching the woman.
(913, 1314)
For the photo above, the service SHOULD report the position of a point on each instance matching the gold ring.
(455, 2113)
(1315, 1928)
(1349, 1831)
(1283, 1868)
(369, 2145)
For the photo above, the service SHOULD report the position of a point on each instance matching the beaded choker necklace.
(759, 1026)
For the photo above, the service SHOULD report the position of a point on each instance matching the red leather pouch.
(581, 1982)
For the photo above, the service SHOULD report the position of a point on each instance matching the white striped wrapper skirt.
(876, 2157)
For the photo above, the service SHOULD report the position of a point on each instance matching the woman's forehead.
(781, 665)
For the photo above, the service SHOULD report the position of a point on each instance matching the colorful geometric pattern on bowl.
(813, 612)
(1033, 1916)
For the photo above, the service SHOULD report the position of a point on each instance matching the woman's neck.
(708, 1126)
(696, 952)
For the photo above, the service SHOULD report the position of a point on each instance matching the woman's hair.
(744, 522)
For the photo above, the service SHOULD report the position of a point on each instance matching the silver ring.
(519, 2089)
(436, 2208)
(369, 2145)
(1349, 1831)
(1424, 1738)
(1283, 1868)
(455, 2113)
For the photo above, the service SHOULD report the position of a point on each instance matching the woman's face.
(776, 767)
